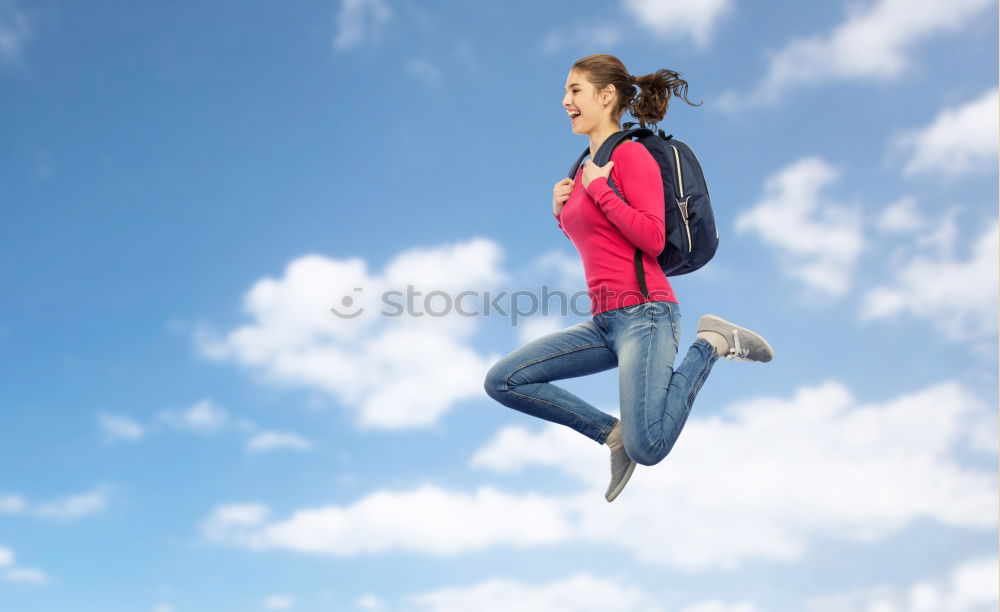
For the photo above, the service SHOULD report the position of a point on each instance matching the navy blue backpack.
(692, 237)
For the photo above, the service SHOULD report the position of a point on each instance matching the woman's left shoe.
(622, 465)
(741, 343)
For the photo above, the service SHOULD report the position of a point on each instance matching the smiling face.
(581, 97)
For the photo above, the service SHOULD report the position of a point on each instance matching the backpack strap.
(604, 153)
(576, 166)
(640, 274)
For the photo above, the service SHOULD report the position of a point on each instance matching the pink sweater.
(606, 230)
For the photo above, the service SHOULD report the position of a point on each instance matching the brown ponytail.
(650, 106)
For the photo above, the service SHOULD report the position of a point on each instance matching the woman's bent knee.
(496, 382)
(647, 455)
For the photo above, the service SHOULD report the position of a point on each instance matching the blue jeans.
(642, 341)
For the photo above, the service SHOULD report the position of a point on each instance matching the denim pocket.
(624, 313)
(626, 310)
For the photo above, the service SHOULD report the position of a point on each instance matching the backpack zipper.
(682, 205)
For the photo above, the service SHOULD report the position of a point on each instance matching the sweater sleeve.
(640, 217)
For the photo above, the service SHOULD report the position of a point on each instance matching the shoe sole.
(719, 320)
(621, 485)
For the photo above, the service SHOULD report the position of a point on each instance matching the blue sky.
(188, 188)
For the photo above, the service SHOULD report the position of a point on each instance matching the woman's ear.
(607, 94)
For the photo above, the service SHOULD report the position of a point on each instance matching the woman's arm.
(637, 176)
(560, 195)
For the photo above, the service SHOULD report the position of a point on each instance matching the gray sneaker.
(622, 465)
(744, 345)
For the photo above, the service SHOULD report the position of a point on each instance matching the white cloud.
(581, 592)
(163, 607)
(359, 19)
(11, 573)
(900, 217)
(970, 587)
(425, 519)
(12, 504)
(957, 295)
(556, 281)
(719, 606)
(273, 440)
(204, 417)
(675, 19)
(69, 507)
(760, 481)
(514, 448)
(279, 602)
(120, 428)
(731, 484)
(536, 327)
(959, 141)
(562, 286)
(369, 602)
(816, 239)
(27, 575)
(378, 356)
(873, 43)
(578, 593)
(15, 31)
(226, 522)
(74, 506)
(925, 232)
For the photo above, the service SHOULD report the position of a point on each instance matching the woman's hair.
(650, 105)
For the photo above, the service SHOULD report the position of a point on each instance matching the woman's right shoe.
(622, 465)
(743, 344)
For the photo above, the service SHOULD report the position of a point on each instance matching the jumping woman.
(638, 335)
